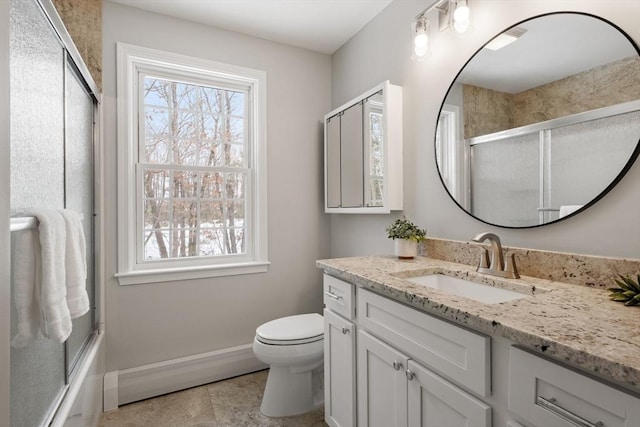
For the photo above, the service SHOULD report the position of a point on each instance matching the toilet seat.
(292, 330)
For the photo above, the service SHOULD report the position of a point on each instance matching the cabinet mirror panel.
(542, 121)
(355, 150)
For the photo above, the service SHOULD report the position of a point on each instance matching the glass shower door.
(51, 167)
(497, 167)
(79, 110)
(603, 143)
(38, 374)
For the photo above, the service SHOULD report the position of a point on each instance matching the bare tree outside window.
(194, 170)
(376, 155)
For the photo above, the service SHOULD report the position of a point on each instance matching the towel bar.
(23, 223)
(27, 223)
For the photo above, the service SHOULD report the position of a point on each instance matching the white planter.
(405, 248)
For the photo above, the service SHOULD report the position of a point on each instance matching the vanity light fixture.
(454, 14)
(420, 34)
(461, 16)
(506, 38)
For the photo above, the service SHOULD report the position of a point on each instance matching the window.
(450, 154)
(191, 167)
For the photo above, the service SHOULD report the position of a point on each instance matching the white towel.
(568, 209)
(75, 265)
(52, 292)
(25, 272)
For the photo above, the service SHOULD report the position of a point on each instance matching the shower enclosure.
(53, 110)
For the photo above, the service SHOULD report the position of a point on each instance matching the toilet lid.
(299, 329)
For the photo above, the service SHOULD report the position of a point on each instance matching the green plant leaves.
(627, 291)
(403, 228)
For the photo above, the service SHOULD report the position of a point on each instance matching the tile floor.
(230, 403)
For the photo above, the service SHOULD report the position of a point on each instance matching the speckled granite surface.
(585, 270)
(83, 20)
(576, 324)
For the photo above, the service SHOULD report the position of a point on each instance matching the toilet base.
(288, 393)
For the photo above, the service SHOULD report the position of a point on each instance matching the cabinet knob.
(410, 375)
(397, 365)
(345, 330)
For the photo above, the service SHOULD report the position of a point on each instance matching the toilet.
(293, 347)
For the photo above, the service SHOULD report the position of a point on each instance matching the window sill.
(140, 277)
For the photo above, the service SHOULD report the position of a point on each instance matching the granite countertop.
(572, 323)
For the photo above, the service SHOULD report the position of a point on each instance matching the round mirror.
(542, 121)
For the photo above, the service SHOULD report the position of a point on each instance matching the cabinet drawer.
(339, 297)
(547, 394)
(453, 352)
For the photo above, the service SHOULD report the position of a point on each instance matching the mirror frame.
(634, 155)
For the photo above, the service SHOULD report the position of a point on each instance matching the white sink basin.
(464, 288)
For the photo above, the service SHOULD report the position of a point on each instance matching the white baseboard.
(110, 391)
(160, 378)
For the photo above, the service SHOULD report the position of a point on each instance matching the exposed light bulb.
(461, 26)
(421, 41)
(461, 15)
(421, 38)
(421, 45)
(462, 12)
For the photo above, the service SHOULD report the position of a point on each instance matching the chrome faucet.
(497, 266)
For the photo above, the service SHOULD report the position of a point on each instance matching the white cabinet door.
(434, 402)
(339, 371)
(382, 384)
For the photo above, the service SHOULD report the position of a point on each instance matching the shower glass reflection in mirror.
(544, 126)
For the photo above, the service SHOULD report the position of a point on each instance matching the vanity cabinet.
(363, 153)
(452, 352)
(396, 391)
(402, 354)
(547, 394)
(339, 353)
(413, 370)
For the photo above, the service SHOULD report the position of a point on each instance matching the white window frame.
(133, 60)
(451, 152)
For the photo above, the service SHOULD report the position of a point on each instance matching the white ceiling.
(554, 47)
(319, 25)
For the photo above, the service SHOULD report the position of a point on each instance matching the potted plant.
(406, 236)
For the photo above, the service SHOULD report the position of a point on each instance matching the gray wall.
(157, 322)
(382, 51)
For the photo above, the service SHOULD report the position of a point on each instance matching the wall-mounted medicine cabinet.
(363, 153)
